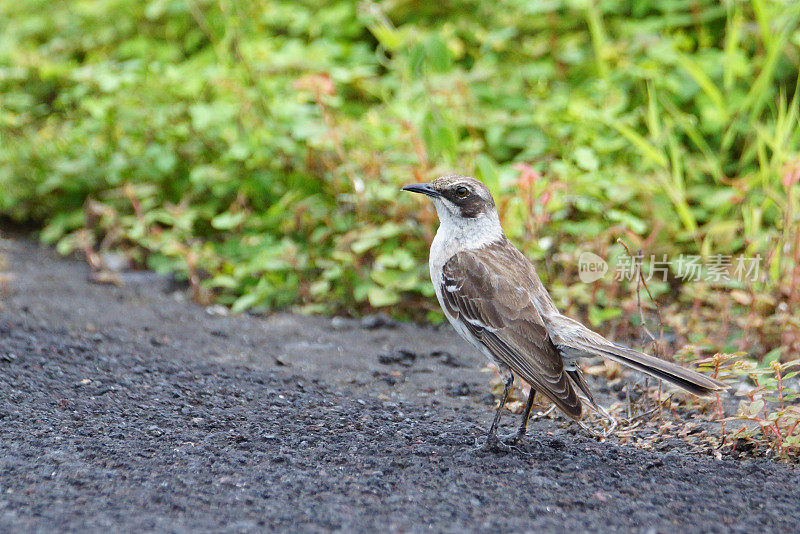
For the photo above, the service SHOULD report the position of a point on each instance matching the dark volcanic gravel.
(130, 408)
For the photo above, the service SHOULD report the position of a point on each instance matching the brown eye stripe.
(471, 208)
(470, 205)
(454, 194)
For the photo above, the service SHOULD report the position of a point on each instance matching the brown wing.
(488, 291)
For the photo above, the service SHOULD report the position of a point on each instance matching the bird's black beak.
(425, 189)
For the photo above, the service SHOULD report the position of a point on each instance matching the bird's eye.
(461, 191)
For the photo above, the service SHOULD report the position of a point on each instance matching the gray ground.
(130, 408)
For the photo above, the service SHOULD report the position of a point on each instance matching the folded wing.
(479, 291)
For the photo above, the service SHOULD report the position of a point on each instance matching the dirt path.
(130, 408)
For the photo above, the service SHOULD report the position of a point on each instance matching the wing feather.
(486, 291)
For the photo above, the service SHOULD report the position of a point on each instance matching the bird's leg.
(491, 440)
(523, 427)
(498, 413)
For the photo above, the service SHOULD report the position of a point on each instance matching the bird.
(492, 296)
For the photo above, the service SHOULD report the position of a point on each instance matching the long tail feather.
(687, 379)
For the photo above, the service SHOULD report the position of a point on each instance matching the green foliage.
(257, 147)
(775, 421)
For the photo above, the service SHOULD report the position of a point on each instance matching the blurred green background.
(255, 148)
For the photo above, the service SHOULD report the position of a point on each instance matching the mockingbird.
(493, 297)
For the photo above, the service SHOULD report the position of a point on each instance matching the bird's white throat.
(458, 233)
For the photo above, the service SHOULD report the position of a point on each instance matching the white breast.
(456, 234)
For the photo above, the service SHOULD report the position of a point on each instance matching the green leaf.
(755, 408)
(246, 301)
(586, 159)
(439, 57)
(772, 356)
(380, 297)
(227, 220)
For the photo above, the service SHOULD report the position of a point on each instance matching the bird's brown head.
(462, 196)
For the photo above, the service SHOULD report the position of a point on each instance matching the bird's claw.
(512, 440)
(495, 444)
(503, 444)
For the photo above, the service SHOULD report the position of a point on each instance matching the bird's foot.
(503, 444)
(513, 440)
(495, 444)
